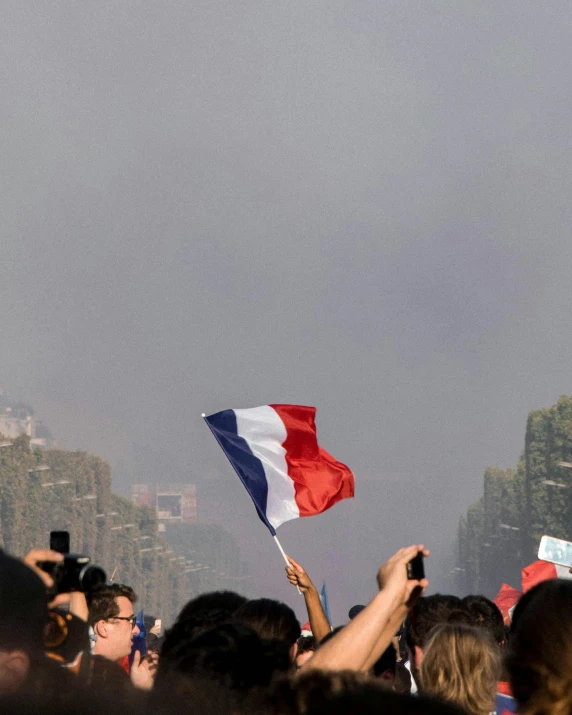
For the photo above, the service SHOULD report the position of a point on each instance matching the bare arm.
(318, 620)
(358, 645)
(385, 637)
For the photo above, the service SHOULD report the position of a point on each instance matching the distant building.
(17, 419)
(13, 425)
(172, 502)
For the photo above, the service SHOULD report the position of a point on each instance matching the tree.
(502, 531)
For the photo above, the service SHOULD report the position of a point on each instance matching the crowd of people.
(403, 653)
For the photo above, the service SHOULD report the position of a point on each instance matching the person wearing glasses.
(112, 619)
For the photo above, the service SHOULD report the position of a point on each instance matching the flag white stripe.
(264, 431)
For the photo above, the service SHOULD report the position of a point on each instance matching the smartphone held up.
(555, 551)
(416, 568)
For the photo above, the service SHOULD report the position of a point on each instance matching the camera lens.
(91, 578)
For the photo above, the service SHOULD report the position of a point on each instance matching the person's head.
(184, 630)
(309, 689)
(221, 601)
(23, 616)
(305, 650)
(461, 664)
(231, 655)
(271, 620)
(354, 611)
(384, 667)
(539, 660)
(487, 615)
(428, 612)
(371, 698)
(112, 618)
(402, 681)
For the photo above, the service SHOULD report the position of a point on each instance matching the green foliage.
(74, 494)
(518, 507)
(212, 558)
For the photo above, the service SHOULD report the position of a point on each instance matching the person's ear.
(14, 666)
(293, 652)
(101, 629)
(418, 657)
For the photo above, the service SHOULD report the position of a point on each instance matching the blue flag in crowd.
(325, 604)
(139, 640)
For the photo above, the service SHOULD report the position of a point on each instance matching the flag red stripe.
(320, 481)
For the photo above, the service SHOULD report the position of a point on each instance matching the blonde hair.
(461, 664)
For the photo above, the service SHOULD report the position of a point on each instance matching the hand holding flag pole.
(275, 453)
(279, 545)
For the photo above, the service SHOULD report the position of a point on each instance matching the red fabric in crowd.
(124, 663)
(536, 573)
(505, 599)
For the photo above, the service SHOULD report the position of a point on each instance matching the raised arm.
(358, 645)
(318, 620)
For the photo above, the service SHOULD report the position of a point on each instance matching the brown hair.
(307, 691)
(539, 661)
(271, 620)
(461, 664)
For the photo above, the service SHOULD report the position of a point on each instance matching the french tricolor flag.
(274, 450)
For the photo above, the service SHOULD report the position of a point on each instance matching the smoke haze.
(359, 206)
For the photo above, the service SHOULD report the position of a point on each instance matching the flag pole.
(279, 545)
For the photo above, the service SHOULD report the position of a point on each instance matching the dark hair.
(487, 615)
(402, 642)
(305, 644)
(23, 607)
(231, 655)
(102, 604)
(539, 660)
(329, 636)
(227, 601)
(402, 681)
(270, 619)
(386, 661)
(431, 611)
(310, 689)
(182, 633)
(370, 698)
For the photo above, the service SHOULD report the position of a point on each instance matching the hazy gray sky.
(363, 206)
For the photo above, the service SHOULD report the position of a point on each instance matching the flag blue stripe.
(248, 467)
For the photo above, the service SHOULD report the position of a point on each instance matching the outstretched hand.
(392, 577)
(298, 576)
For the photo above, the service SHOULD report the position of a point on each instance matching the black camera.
(74, 573)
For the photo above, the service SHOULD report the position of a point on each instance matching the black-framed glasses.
(132, 619)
